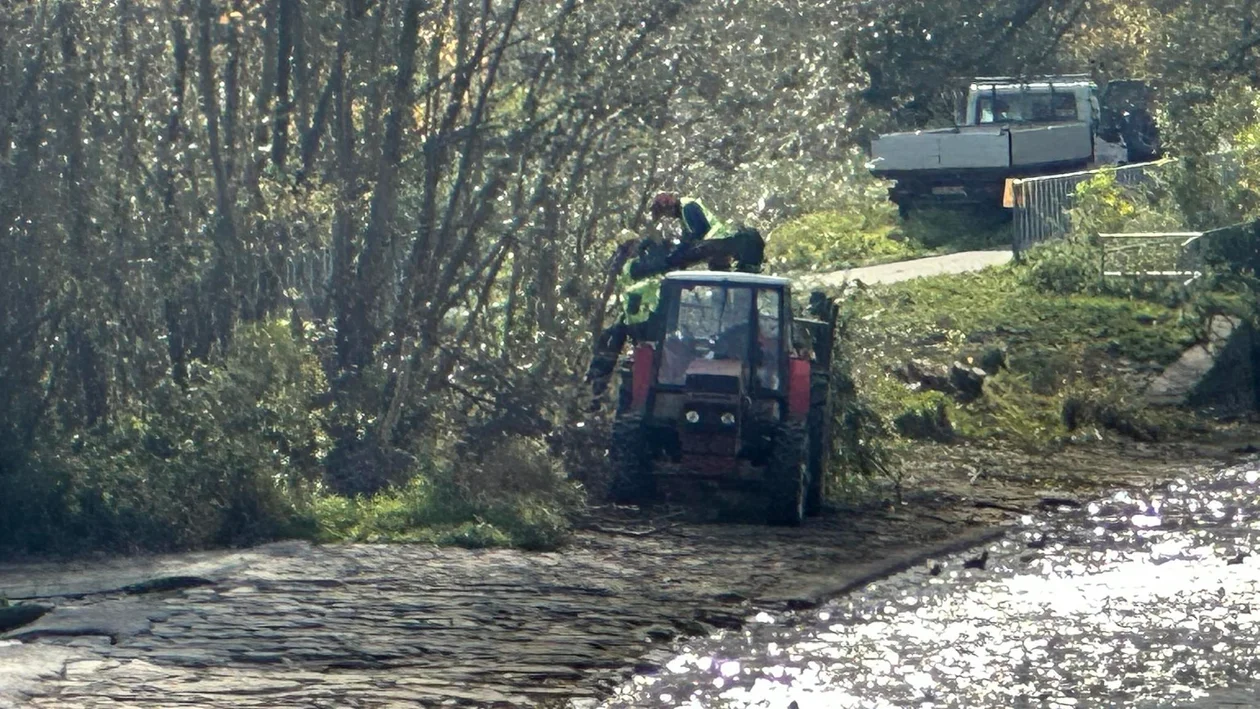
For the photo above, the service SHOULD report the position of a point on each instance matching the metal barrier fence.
(1184, 256)
(1153, 255)
(1041, 204)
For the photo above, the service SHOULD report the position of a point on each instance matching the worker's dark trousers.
(750, 250)
(608, 348)
(744, 249)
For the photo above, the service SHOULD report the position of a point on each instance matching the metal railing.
(1041, 204)
(1153, 255)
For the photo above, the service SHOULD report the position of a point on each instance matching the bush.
(216, 461)
(961, 230)
(515, 497)
(1064, 267)
(827, 241)
(1102, 205)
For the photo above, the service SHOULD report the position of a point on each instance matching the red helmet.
(665, 204)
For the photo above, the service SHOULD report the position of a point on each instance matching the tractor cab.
(723, 341)
(722, 392)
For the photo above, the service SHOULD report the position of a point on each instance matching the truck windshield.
(1026, 108)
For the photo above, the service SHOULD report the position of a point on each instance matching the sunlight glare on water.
(1130, 600)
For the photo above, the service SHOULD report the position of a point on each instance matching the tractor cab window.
(769, 338)
(707, 322)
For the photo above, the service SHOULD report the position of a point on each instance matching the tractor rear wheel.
(787, 476)
(631, 462)
(819, 423)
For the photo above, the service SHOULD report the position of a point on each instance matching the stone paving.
(391, 625)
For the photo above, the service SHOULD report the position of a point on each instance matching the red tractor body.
(732, 389)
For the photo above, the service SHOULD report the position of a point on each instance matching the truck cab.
(1001, 101)
(1013, 128)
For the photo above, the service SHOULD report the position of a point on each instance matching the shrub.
(216, 461)
(514, 497)
(1102, 205)
(1064, 267)
(935, 229)
(830, 240)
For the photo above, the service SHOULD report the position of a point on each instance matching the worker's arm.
(695, 224)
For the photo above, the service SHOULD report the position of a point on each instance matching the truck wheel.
(632, 482)
(1141, 137)
(819, 442)
(786, 476)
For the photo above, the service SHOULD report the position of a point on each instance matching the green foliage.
(1064, 267)
(517, 497)
(942, 230)
(827, 241)
(1102, 205)
(924, 415)
(1011, 410)
(859, 432)
(215, 461)
(864, 230)
(1053, 343)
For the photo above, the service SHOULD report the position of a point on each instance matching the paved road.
(962, 262)
(361, 625)
(1139, 600)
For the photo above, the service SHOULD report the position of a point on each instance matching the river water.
(1140, 599)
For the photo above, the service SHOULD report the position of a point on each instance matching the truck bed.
(988, 147)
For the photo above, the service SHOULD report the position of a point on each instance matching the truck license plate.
(952, 189)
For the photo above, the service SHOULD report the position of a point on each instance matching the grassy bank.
(832, 240)
(1058, 366)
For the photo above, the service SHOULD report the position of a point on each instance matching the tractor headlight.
(693, 417)
(728, 419)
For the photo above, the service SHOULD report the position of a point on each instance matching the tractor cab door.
(773, 339)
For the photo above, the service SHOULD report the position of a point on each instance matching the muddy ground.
(292, 624)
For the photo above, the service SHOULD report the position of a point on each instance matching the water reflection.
(1137, 599)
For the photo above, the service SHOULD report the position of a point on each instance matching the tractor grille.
(713, 383)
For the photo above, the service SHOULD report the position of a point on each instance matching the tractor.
(732, 391)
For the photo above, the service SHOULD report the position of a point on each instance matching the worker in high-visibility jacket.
(697, 221)
(639, 274)
(639, 277)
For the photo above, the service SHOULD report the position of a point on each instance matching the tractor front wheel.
(787, 476)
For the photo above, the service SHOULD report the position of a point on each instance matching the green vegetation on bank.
(237, 456)
(871, 234)
(1042, 349)
(1065, 352)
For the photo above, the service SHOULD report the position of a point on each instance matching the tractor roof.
(1014, 86)
(728, 277)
